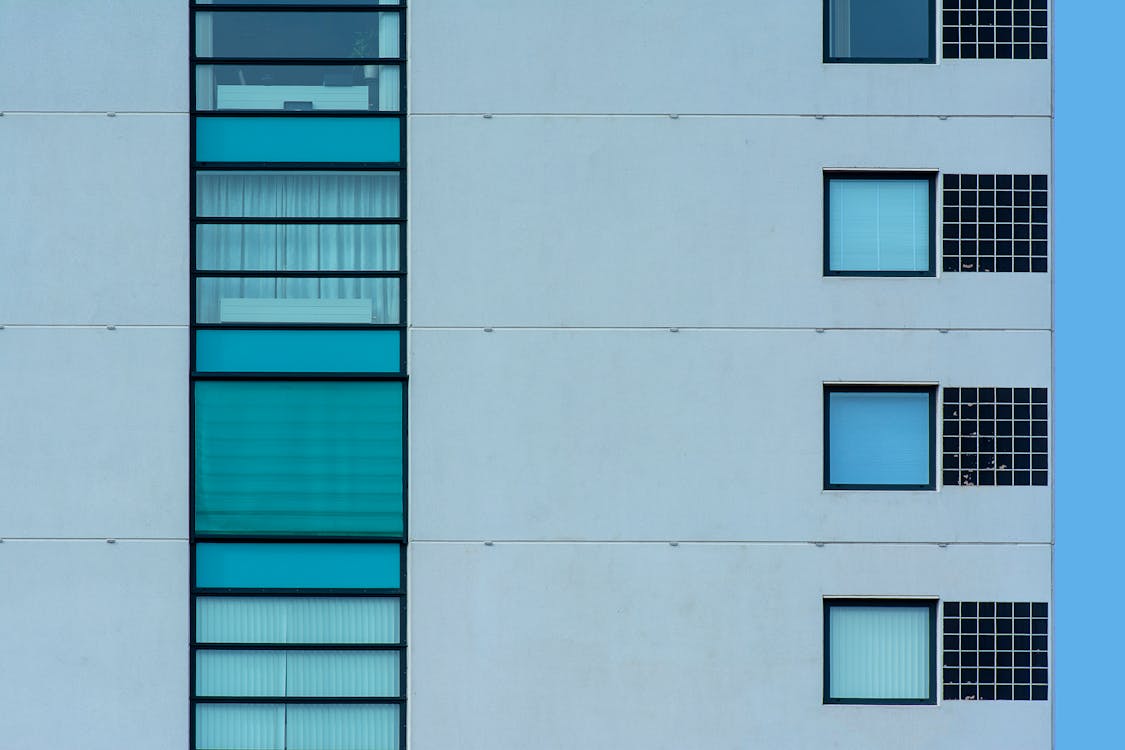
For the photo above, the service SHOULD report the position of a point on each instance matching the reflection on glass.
(297, 88)
(297, 247)
(369, 195)
(296, 300)
(355, 35)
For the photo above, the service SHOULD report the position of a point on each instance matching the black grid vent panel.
(994, 436)
(994, 651)
(994, 222)
(994, 29)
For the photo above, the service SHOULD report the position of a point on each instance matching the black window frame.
(930, 390)
(931, 604)
(930, 59)
(930, 176)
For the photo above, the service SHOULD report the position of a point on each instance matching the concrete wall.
(553, 245)
(94, 232)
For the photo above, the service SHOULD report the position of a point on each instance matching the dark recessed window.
(879, 651)
(879, 437)
(1004, 667)
(878, 224)
(879, 31)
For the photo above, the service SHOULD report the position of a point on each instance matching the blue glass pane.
(297, 139)
(281, 35)
(879, 225)
(297, 619)
(277, 565)
(297, 351)
(297, 674)
(298, 458)
(880, 653)
(880, 29)
(288, 299)
(255, 726)
(879, 438)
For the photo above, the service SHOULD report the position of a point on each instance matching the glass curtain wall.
(298, 381)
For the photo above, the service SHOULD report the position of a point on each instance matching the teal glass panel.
(256, 726)
(298, 458)
(297, 139)
(297, 674)
(879, 438)
(879, 225)
(297, 351)
(879, 653)
(297, 619)
(278, 565)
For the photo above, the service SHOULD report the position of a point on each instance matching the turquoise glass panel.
(298, 458)
(277, 565)
(258, 726)
(297, 351)
(879, 438)
(879, 653)
(297, 139)
(297, 674)
(297, 619)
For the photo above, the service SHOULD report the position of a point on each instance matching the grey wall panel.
(625, 645)
(95, 645)
(109, 56)
(696, 221)
(95, 218)
(95, 432)
(643, 56)
(713, 435)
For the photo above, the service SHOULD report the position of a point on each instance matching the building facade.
(508, 374)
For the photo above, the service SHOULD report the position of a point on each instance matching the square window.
(879, 224)
(879, 31)
(879, 651)
(879, 437)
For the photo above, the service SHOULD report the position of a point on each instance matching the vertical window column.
(298, 374)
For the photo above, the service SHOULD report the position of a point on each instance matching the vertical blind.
(307, 458)
(879, 438)
(297, 674)
(297, 619)
(879, 225)
(256, 726)
(879, 652)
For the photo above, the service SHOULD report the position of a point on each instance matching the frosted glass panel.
(251, 726)
(297, 674)
(879, 438)
(238, 619)
(239, 727)
(311, 195)
(879, 225)
(297, 247)
(298, 458)
(292, 565)
(879, 653)
(279, 299)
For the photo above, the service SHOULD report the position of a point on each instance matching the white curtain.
(297, 247)
(298, 194)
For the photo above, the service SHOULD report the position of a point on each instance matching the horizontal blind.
(879, 438)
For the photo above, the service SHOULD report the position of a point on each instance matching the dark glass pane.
(879, 29)
(297, 88)
(297, 35)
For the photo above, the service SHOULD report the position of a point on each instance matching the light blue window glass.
(880, 653)
(258, 726)
(297, 247)
(297, 139)
(288, 299)
(879, 225)
(284, 565)
(298, 619)
(298, 195)
(297, 674)
(297, 351)
(880, 439)
(298, 458)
